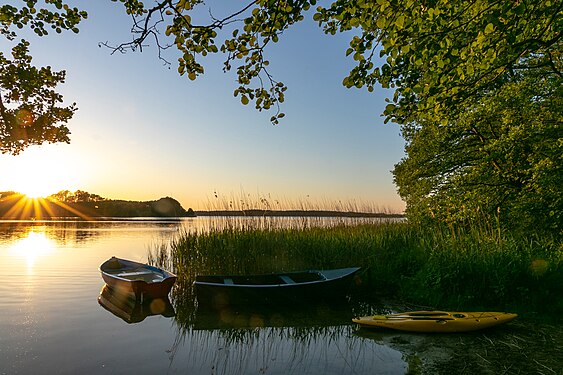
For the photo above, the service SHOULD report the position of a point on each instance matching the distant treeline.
(303, 213)
(81, 204)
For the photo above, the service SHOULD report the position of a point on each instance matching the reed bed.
(244, 201)
(475, 268)
(441, 267)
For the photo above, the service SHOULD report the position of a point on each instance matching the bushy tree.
(78, 196)
(434, 53)
(499, 156)
(438, 53)
(477, 91)
(30, 108)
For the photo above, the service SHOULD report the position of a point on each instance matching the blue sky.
(143, 132)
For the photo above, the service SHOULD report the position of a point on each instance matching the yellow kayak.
(436, 321)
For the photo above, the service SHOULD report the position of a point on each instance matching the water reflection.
(298, 340)
(45, 316)
(73, 232)
(34, 245)
(307, 317)
(493, 351)
(285, 351)
(80, 232)
(280, 339)
(130, 309)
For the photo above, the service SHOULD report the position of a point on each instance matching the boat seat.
(287, 279)
(134, 273)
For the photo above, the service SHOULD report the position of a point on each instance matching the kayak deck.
(436, 321)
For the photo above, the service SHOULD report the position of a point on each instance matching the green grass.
(439, 267)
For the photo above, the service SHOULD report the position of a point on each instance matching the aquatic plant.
(442, 267)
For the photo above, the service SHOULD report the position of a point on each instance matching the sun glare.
(33, 246)
(37, 185)
(38, 175)
(34, 194)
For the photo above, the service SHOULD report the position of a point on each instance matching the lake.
(52, 323)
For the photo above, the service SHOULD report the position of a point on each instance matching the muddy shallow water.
(517, 348)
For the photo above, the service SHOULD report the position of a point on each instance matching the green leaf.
(381, 22)
(400, 21)
(489, 28)
(389, 108)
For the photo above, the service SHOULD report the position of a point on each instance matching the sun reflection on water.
(35, 245)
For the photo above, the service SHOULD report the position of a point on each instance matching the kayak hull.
(436, 321)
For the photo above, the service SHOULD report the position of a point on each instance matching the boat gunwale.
(166, 274)
(351, 271)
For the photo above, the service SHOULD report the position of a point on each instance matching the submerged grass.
(440, 267)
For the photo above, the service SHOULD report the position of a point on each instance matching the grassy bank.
(438, 267)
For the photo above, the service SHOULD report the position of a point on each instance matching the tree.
(498, 156)
(439, 53)
(30, 111)
(78, 196)
(457, 70)
(252, 27)
(476, 88)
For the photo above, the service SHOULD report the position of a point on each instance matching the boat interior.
(139, 273)
(144, 275)
(274, 279)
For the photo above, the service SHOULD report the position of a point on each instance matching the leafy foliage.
(499, 156)
(30, 108)
(437, 53)
(78, 196)
(440, 53)
(252, 28)
(477, 87)
(477, 90)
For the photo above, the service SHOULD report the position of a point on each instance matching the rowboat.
(142, 280)
(436, 321)
(218, 292)
(130, 309)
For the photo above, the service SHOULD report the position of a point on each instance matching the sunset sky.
(142, 132)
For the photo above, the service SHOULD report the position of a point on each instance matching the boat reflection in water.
(309, 317)
(309, 339)
(132, 310)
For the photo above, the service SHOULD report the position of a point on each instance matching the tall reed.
(443, 267)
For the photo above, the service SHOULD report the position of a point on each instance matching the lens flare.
(24, 118)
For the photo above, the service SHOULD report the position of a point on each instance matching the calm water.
(51, 321)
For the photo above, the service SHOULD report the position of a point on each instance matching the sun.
(37, 175)
(36, 186)
(33, 192)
